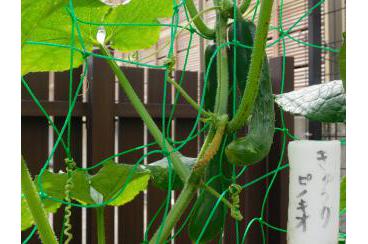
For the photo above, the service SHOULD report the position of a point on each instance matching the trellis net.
(175, 30)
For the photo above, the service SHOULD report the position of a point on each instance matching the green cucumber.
(206, 202)
(257, 143)
(242, 58)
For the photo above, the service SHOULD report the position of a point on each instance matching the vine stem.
(198, 21)
(34, 202)
(251, 89)
(100, 215)
(188, 98)
(244, 6)
(217, 195)
(178, 165)
(181, 203)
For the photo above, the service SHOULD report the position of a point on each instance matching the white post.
(314, 192)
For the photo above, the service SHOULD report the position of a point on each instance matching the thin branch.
(198, 21)
(244, 6)
(188, 98)
(178, 165)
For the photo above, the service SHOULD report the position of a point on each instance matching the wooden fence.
(106, 123)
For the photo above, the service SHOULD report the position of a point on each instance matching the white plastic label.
(314, 192)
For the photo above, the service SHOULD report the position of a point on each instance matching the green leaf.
(108, 182)
(343, 194)
(160, 173)
(343, 60)
(324, 103)
(131, 38)
(33, 13)
(112, 178)
(54, 26)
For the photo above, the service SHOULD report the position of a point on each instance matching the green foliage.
(324, 103)
(50, 21)
(343, 60)
(343, 194)
(108, 182)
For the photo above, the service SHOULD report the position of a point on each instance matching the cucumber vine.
(218, 119)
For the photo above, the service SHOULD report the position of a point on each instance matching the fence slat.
(155, 197)
(131, 135)
(100, 140)
(279, 195)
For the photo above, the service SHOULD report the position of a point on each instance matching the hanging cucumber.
(210, 96)
(206, 202)
(242, 58)
(256, 145)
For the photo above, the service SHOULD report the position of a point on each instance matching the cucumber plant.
(73, 42)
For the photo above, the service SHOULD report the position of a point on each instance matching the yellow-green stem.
(100, 216)
(34, 202)
(251, 89)
(178, 165)
(198, 21)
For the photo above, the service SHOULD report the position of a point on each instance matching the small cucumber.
(257, 144)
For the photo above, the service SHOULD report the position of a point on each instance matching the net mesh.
(175, 30)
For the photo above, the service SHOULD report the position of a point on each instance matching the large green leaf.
(113, 178)
(109, 180)
(30, 20)
(343, 194)
(324, 103)
(54, 26)
(343, 60)
(130, 38)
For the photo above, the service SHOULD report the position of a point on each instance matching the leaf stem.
(251, 89)
(244, 6)
(34, 202)
(178, 165)
(100, 215)
(198, 21)
(217, 195)
(188, 98)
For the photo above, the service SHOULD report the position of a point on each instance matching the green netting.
(175, 29)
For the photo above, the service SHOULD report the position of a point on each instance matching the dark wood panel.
(100, 127)
(278, 199)
(155, 197)
(39, 84)
(136, 78)
(131, 134)
(55, 108)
